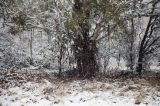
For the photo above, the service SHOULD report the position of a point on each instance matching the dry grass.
(99, 83)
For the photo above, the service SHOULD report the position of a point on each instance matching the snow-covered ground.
(131, 92)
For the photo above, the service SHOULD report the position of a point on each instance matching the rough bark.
(85, 48)
(85, 55)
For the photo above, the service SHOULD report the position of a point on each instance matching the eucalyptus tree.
(92, 21)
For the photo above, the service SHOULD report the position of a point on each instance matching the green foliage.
(106, 10)
(20, 19)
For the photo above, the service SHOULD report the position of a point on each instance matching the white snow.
(78, 93)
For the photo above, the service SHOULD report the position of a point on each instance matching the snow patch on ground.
(80, 93)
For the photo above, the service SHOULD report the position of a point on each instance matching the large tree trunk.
(85, 55)
(85, 48)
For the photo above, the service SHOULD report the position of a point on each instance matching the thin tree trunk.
(31, 47)
(143, 45)
(132, 44)
(142, 48)
(140, 63)
(60, 61)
